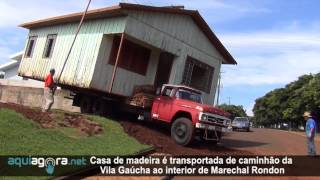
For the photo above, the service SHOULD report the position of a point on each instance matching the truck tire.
(182, 131)
(86, 105)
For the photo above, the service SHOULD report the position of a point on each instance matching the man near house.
(310, 132)
(48, 93)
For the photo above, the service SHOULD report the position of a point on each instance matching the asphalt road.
(269, 142)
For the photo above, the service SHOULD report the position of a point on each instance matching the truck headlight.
(204, 117)
(228, 122)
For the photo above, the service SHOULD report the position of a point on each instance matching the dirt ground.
(155, 134)
(158, 135)
(59, 119)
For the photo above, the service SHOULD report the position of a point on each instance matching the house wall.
(88, 67)
(81, 64)
(125, 80)
(179, 35)
(11, 75)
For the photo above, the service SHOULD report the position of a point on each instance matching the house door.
(164, 69)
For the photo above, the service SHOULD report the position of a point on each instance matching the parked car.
(241, 123)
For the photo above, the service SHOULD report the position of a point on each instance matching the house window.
(198, 75)
(30, 46)
(51, 39)
(133, 57)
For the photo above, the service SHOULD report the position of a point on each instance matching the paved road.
(269, 142)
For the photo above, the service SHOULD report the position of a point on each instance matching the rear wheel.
(182, 131)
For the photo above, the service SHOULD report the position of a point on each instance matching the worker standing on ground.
(310, 132)
(48, 93)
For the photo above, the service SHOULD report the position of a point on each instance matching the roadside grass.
(21, 136)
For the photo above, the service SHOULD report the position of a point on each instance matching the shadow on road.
(235, 143)
(232, 133)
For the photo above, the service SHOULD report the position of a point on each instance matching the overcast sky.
(273, 41)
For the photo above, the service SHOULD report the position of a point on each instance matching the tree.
(235, 111)
(288, 104)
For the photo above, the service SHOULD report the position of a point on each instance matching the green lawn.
(20, 136)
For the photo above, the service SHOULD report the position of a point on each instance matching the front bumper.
(240, 127)
(212, 127)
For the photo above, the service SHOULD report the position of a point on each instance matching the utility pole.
(229, 100)
(219, 86)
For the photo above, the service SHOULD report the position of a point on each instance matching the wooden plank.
(80, 66)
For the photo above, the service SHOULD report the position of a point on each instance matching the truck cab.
(182, 107)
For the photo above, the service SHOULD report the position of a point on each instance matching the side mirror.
(158, 92)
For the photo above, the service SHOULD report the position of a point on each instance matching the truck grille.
(215, 120)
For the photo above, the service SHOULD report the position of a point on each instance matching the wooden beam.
(74, 39)
(116, 63)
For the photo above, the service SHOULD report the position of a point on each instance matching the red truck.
(179, 106)
(182, 108)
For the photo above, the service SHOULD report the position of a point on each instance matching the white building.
(10, 70)
(9, 73)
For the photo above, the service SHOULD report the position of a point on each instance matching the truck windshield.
(189, 95)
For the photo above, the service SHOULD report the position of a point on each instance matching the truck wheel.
(182, 131)
(86, 105)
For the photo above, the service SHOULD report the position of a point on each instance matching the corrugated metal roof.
(117, 11)
(9, 65)
(17, 56)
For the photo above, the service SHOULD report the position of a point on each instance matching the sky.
(273, 41)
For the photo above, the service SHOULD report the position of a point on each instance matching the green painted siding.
(179, 35)
(124, 80)
(81, 63)
(88, 65)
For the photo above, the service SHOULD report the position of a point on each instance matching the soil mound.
(51, 120)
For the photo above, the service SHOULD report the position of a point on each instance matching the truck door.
(165, 104)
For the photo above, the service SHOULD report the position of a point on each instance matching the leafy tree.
(235, 111)
(288, 104)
